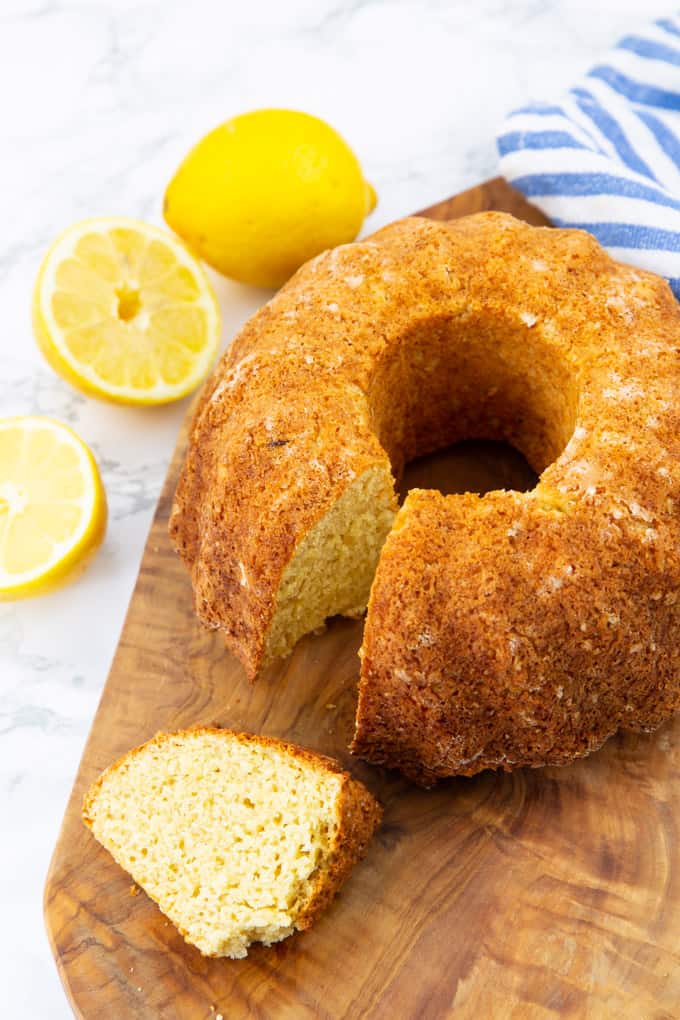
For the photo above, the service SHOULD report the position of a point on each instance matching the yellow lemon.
(266, 191)
(52, 505)
(123, 311)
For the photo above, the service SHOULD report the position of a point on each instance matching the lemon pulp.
(52, 505)
(123, 311)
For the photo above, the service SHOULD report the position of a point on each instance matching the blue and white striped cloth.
(606, 157)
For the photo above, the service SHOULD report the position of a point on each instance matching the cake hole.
(472, 465)
(129, 302)
(482, 377)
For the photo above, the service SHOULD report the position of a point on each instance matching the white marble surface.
(100, 101)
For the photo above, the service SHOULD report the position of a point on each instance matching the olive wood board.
(533, 894)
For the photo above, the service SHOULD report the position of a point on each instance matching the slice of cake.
(238, 838)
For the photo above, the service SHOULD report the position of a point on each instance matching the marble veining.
(102, 99)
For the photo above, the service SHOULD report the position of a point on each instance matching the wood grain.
(553, 893)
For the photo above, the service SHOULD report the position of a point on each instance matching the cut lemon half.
(52, 506)
(123, 311)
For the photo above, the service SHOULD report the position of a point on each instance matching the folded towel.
(606, 157)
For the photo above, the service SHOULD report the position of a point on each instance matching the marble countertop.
(102, 99)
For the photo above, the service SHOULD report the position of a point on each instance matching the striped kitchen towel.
(606, 157)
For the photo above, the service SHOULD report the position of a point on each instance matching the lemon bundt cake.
(514, 628)
(237, 838)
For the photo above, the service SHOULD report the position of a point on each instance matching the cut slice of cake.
(238, 838)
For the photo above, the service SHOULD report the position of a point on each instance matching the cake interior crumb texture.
(333, 566)
(233, 836)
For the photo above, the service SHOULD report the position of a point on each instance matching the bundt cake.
(509, 629)
(237, 838)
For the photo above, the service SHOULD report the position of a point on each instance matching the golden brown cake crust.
(360, 815)
(525, 628)
(504, 630)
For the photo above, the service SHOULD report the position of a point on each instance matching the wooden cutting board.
(534, 894)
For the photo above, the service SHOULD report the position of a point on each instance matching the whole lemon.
(266, 191)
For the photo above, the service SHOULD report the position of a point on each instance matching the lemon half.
(52, 505)
(124, 312)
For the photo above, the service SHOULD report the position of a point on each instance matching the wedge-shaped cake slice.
(237, 838)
